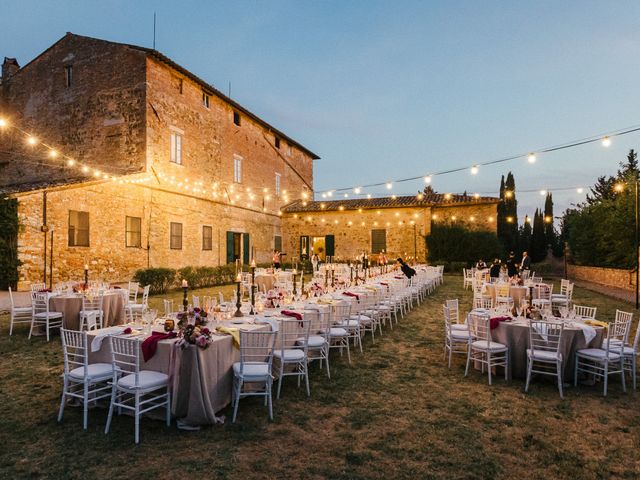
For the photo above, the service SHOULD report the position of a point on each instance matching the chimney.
(9, 68)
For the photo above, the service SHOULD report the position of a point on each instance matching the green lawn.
(397, 413)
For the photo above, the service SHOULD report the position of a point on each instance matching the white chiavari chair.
(254, 368)
(543, 355)
(292, 359)
(42, 315)
(19, 314)
(483, 349)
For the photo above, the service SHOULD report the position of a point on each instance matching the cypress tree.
(549, 231)
(525, 235)
(508, 214)
(538, 241)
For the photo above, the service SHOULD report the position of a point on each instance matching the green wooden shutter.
(245, 247)
(229, 247)
(304, 252)
(329, 245)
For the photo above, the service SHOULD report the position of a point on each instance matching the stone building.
(121, 159)
(137, 162)
(397, 225)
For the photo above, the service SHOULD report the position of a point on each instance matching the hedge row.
(162, 279)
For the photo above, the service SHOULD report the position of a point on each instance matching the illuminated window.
(176, 148)
(133, 231)
(237, 169)
(207, 237)
(78, 228)
(175, 240)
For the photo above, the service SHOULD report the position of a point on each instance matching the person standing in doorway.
(314, 261)
(276, 260)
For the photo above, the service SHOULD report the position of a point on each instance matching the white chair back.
(585, 312)
(132, 288)
(454, 310)
(291, 330)
(74, 348)
(479, 327)
(545, 336)
(168, 306)
(125, 356)
(256, 347)
(38, 286)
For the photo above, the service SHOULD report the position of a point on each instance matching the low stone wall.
(611, 277)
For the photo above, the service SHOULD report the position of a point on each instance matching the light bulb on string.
(3, 123)
(53, 153)
(357, 190)
(606, 141)
(474, 170)
(71, 162)
(389, 185)
(579, 189)
(531, 158)
(32, 140)
(543, 192)
(427, 179)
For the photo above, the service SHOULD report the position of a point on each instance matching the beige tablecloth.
(517, 293)
(516, 337)
(265, 282)
(70, 306)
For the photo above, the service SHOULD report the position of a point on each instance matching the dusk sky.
(387, 90)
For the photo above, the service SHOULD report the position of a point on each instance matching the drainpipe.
(44, 230)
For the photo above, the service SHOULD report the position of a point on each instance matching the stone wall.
(210, 142)
(610, 277)
(406, 228)
(99, 119)
(108, 203)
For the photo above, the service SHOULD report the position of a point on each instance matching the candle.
(86, 266)
(295, 271)
(239, 278)
(253, 263)
(184, 284)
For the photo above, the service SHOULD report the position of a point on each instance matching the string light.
(32, 140)
(357, 190)
(579, 189)
(543, 192)
(530, 156)
(3, 123)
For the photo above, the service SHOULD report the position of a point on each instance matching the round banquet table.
(265, 282)
(515, 335)
(113, 304)
(517, 293)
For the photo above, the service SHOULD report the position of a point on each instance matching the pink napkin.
(289, 313)
(150, 345)
(495, 321)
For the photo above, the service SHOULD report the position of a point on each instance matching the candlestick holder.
(86, 278)
(253, 290)
(302, 283)
(238, 302)
(185, 300)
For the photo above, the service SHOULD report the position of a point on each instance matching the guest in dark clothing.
(494, 271)
(512, 268)
(406, 269)
(525, 264)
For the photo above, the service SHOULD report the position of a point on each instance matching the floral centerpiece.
(192, 328)
(316, 289)
(195, 335)
(274, 298)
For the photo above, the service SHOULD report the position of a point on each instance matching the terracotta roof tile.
(428, 200)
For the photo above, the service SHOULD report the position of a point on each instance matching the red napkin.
(150, 345)
(116, 287)
(495, 321)
(384, 283)
(349, 294)
(45, 290)
(289, 313)
(398, 277)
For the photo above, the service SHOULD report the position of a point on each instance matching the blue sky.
(391, 89)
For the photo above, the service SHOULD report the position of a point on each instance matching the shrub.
(159, 279)
(9, 261)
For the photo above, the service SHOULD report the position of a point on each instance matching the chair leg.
(633, 372)
(489, 366)
(529, 366)
(85, 405)
(47, 329)
(31, 329)
(269, 398)
(168, 413)
(348, 350)
(466, 370)
(606, 377)
(624, 383)
(326, 359)
(64, 397)
(306, 377)
(237, 385)
(559, 372)
(137, 417)
(280, 378)
(575, 372)
(111, 406)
